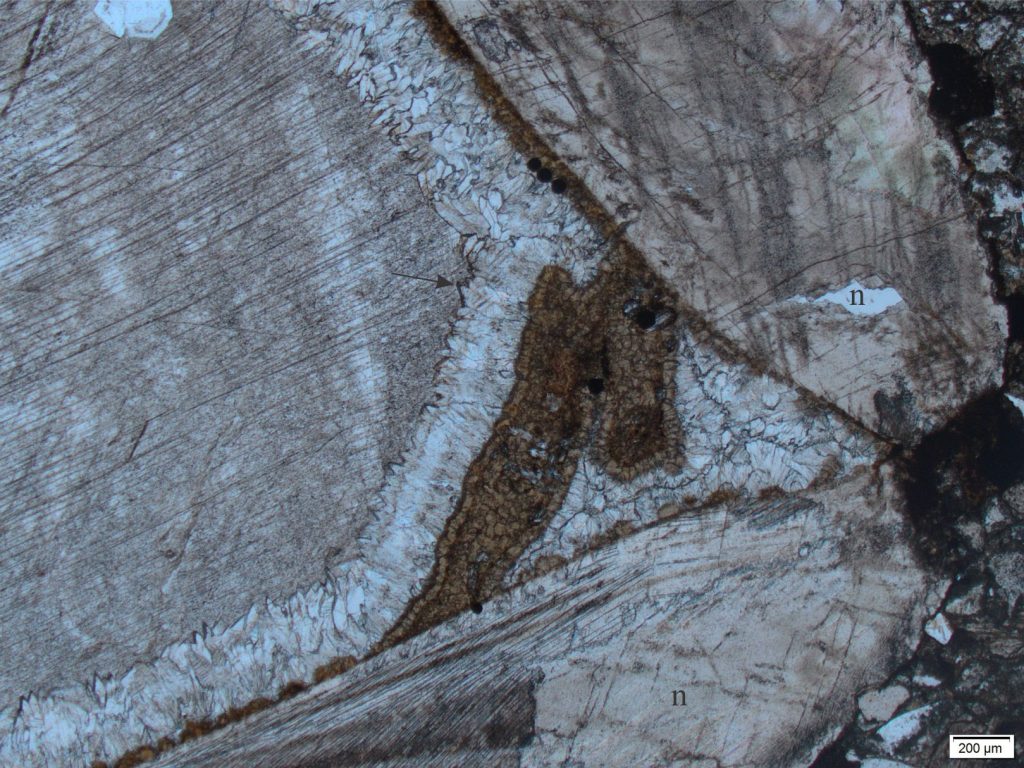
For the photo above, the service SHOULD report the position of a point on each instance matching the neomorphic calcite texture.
(263, 177)
(762, 155)
(206, 366)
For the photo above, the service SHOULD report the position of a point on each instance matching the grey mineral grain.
(206, 365)
(767, 157)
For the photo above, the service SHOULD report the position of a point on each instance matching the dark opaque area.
(834, 755)
(544, 174)
(558, 186)
(596, 386)
(1015, 317)
(961, 92)
(954, 471)
(534, 164)
(645, 318)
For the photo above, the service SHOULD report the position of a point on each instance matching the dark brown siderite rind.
(619, 330)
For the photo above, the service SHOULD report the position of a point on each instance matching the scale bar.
(981, 747)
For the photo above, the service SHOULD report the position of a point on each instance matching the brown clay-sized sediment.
(595, 370)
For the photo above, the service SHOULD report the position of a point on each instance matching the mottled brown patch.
(669, 510)
(620, 530)
(720, 496)
(831, 468)
(292, 689)
(546, 564)
(136, 757)
(620, 328)
(336, 666)
(771, 492)
(194, 729)
(234, 714)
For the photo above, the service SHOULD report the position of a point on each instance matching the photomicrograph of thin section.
(513, 228)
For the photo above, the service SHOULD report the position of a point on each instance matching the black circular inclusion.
(645, 318)
(544, 174)
(596, 386)
(558, 186)
(476, 607)
(534, 164)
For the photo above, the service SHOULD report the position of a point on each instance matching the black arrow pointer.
(439, 281)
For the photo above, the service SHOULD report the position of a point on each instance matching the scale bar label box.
(981, 747)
